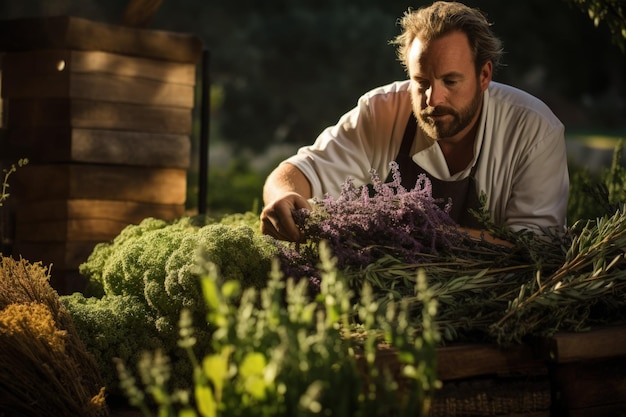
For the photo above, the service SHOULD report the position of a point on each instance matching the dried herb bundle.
(488, 292)
(44, 367)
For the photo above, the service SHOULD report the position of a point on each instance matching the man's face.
(446, 92)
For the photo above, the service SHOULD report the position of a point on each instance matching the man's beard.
(438, 129)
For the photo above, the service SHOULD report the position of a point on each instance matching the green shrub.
(278, 353)
(142, 280)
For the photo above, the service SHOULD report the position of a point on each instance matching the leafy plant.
(278, 353)
(594, 196)
(141, 281)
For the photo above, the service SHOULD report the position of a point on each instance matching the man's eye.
(422, 85)
(451, 83)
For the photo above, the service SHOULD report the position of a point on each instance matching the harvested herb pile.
(486, 292)
(45, 369)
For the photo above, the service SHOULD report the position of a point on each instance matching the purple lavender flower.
(361, 227)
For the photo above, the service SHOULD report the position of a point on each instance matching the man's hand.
(277, 219)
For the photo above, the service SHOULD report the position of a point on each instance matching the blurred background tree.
(281, 71)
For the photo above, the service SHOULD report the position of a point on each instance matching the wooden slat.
(466, 361)
(98, 87)
(613, 410)
(98, 146)
(80, 220)
(596, 344)
(62, 255)
(130, 211)
(80, 113)
(49, 61)
(590, 384)
(66, 32)
(100, 182)
(101, 230)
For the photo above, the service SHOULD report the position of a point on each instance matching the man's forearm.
(285, 178)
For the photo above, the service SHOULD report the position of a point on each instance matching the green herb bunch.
(140, 282)
(276, 352)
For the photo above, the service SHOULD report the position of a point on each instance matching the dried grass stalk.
(45, 369)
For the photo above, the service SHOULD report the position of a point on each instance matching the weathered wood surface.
(65, 32)
(50, 61)
(101, 146)
(591, 384)
(37, 183)
(85, 220)
(465, 361)
(98, 87)
(62, 255)
(606, 342)
(91, 114)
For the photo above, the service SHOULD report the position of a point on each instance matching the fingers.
(280, 226)
(277, 219)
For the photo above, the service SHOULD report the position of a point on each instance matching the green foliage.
(610, 12)
(154, 264)
(595, 196)
(235, 189)
(278, 353)
(114, 326)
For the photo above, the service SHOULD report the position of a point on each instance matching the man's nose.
(434, 96)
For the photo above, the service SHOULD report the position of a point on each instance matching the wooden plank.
(84, 220)
(101, 230)
(599, 343)
(465, 361)
(68, 32)
(98, 87)
(590, 384)
(99, 146)
(62, 255)
(613, 410)
(49, 61)
(92, 114)
(100, 182)
(128, 211)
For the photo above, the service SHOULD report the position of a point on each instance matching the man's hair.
(442, 17)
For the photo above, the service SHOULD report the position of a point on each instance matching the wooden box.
(104, 113)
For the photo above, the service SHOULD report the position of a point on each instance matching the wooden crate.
(566, 375)
(104, 114)
(483, 380)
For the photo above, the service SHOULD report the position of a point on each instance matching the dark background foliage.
(283, 70)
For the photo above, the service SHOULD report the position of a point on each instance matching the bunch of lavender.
(361, 226)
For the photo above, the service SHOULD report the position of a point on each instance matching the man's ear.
(484, 77)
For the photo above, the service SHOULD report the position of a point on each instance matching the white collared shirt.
(520, 147)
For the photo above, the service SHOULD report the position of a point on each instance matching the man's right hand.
(277, 219)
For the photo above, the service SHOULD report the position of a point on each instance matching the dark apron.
(462, 193)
